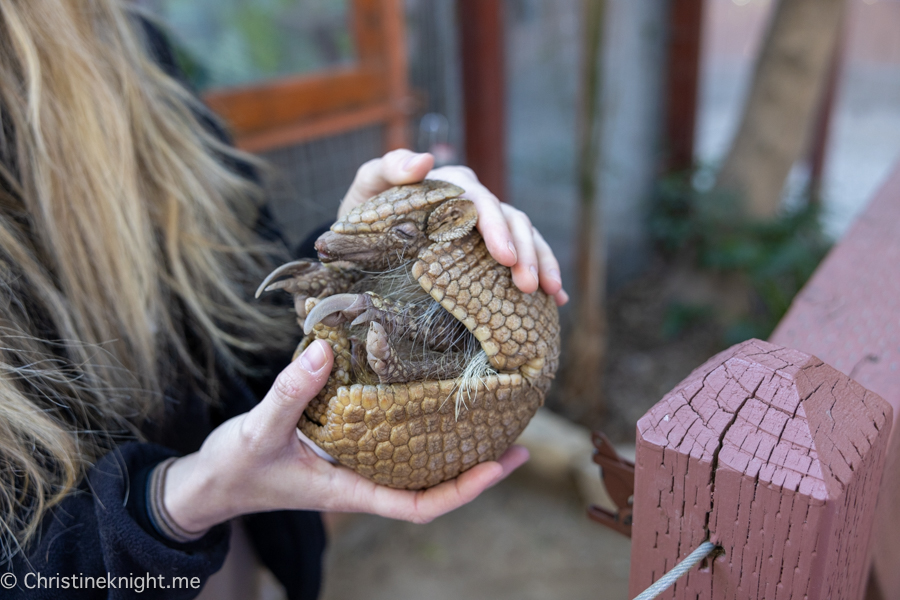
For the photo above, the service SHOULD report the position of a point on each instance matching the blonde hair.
(126, 247)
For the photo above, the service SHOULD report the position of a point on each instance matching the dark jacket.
(101, 537)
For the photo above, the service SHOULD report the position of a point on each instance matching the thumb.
(295, 386)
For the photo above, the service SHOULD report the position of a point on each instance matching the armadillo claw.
(294, 269)
(336, 310)
(309, 279)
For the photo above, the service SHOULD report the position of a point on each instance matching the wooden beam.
(685, 28)
(332, 124)
(847, 316)
(481, 31)
(266, 107)
(366, 18)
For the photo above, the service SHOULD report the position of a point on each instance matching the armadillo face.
(387, 230)
(405, 404)
(377, 251)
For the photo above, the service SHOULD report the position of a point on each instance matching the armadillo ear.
(451, 220)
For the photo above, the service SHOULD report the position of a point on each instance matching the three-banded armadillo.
(440, 360)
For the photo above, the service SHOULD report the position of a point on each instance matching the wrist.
(188, 500)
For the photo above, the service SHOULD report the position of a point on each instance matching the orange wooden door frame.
(292, 110)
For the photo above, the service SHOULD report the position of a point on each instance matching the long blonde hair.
(126, 246)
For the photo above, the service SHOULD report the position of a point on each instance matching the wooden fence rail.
(849, 316)
(775, 450)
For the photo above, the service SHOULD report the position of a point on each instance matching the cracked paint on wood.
(774, 456)
(848, 314)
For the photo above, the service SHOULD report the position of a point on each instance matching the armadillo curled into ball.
(440, 360)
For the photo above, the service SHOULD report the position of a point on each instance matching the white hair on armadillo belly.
(433, 327)
(397, 284)
(478, 368)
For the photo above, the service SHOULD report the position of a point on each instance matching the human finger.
(525, 271)
(278, 413)
(548, 266)
(491, 223)
(397, 167)
(425, 506)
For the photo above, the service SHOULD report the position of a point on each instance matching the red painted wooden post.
(774, 456)
(685, 29)
(481, 41)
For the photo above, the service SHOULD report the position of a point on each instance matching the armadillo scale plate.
(415, 434)
(408, 435)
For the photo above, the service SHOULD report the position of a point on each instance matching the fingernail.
(534, 273)
(512, 249)
(554, 275)
(410, 162)
(313, 358)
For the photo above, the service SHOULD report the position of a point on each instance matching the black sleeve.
(93, 534)
(291, 544)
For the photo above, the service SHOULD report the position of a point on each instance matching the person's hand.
(507, 231)
(255, 462)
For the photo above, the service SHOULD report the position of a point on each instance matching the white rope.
(664, 582)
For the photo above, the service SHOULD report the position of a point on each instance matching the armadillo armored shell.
(416, 433)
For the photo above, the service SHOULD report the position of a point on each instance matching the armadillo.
(440, 360)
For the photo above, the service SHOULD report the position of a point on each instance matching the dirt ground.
(647, 354)
(530, 537)
(520, 540)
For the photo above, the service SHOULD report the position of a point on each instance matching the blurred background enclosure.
(673, 81)
(320, 86)
(636, 126)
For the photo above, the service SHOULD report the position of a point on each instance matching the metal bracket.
(618, 477)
